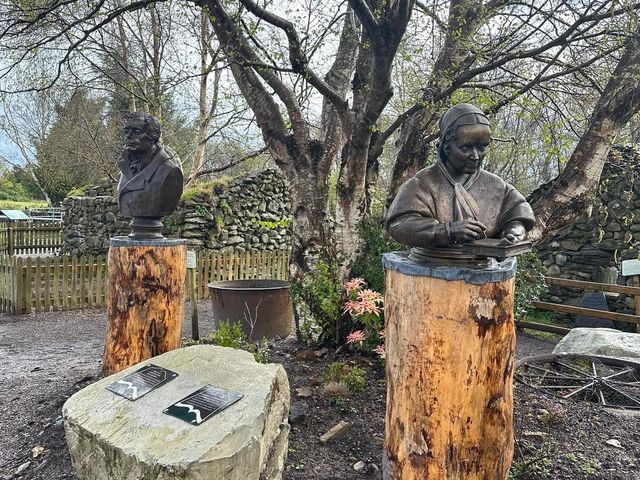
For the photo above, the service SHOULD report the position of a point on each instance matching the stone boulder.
(606, 342)
(111, 438)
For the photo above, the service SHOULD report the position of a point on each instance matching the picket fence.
(41, 284)
(29, 238)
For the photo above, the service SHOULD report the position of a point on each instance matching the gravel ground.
(44, 358)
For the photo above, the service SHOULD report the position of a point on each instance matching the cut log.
(145, 305)
(450, 352)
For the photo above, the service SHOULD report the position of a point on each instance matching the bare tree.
(569, 193)
(505, 48)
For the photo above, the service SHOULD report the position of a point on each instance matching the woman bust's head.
(465, 134)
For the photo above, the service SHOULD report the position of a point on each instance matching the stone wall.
(89, 223)
(249, 213)
(593, 247)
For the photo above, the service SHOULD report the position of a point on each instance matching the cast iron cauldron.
(262, 307)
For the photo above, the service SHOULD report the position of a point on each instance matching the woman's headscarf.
(458, 116)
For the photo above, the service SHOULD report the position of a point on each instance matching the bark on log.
(145, 307)
(450, 352)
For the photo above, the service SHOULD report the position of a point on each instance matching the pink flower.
(381, 351)
(356, 336)
(370, 296)
(352, 307)
(353, 284)
(367, 306)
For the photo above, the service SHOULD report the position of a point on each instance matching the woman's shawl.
(431, 198)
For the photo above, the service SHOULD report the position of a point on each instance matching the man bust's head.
(142, 132)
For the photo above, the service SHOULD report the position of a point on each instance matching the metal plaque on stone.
(203, 404)
(595, 301)
(141, 382)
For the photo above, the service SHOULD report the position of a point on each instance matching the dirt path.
(45, 358)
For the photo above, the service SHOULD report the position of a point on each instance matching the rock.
(537, 435)
(571, 245)
(21, 469)
(335, 431)
(111, 438)
(298, 411)
(614, 443)
(359, 466)
(600, 341)
(553, 271)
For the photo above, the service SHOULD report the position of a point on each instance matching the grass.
(547, 318)
(15, 205)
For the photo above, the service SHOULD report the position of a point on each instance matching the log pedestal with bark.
(450, 340)
(145, 307)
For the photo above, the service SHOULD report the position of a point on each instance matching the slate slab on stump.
(605, 342)
(112, 438)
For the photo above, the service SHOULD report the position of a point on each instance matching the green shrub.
(334, 372)
(354, 379)
(231, 336)
(368, 265)
(529, 284)
(323, 298)
(351, 377)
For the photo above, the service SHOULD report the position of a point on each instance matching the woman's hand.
(514, 232)
(466, 230)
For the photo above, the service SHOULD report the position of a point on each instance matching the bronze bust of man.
(150, 183)
(455, 201)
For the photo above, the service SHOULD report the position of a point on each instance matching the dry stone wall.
(251, 213)
(89, 223)
(593, 247)
(248, 213)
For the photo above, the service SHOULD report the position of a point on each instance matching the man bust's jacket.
(154, 191)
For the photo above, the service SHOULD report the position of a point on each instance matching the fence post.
(10, 240)
(636, 283)
(14, 286)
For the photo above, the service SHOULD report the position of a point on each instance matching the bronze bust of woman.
(455, 201)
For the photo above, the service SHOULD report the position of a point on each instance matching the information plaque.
(141, 382)
(203, 404)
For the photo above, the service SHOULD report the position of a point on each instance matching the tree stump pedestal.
(145, 307)
(450, 340)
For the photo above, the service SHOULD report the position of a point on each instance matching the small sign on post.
(632, 268)
(191, 279)
(191, 259)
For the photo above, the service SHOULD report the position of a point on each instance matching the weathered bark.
(306, 162)
(570, 192)
(145, 307)
(384, 34)
(450, 352)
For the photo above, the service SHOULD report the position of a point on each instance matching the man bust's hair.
(151, 124)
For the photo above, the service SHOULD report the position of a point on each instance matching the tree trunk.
(570, 192)
(450, 352)
(145, 307)
(311, 232)
(204, 114)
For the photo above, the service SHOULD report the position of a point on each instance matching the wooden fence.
(30, 238)
(41, 284)
(217, 266)
(587, 312)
